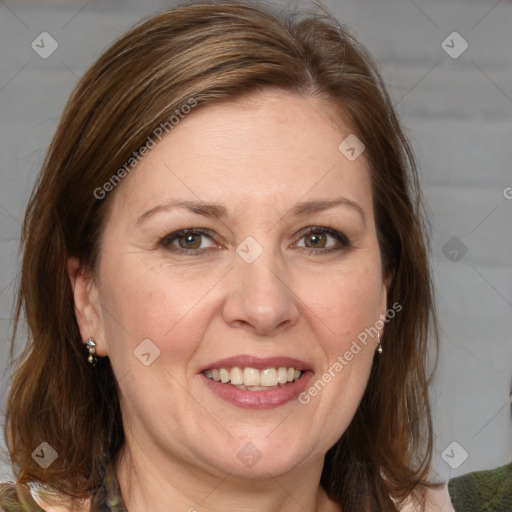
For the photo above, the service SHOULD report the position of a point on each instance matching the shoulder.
(482, 490)
(36, 497)
(17, 498)
(437, 499)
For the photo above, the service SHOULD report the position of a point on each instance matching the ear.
(88, 310)
(386, 283)
(388, 280)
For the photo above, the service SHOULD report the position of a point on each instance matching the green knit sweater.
(483, 491)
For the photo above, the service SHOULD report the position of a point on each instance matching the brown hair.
(215, 52)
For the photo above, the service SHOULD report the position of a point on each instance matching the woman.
(225, 281)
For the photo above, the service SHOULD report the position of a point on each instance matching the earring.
(91, 345)
(379, 346)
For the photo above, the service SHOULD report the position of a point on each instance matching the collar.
(108, 498)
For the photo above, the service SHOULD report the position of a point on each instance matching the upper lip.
(244, 361)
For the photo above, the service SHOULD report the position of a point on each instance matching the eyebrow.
(206, 209)
(218, 211)
(308, 207)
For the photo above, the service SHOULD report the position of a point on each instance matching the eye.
(188, 240)
(316, 240)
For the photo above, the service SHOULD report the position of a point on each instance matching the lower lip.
(259, 399)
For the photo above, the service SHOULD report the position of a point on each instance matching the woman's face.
(270, 277)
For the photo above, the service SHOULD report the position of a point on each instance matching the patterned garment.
(483, 491)
(20, 497)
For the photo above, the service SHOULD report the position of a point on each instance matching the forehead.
(264, 150)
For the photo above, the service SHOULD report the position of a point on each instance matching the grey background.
(458, 113)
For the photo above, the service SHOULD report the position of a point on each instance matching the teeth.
(252, 378)
(237, 377)
(269, 377)
(282, 375)
(224, 375)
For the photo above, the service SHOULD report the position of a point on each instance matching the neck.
(150, 481)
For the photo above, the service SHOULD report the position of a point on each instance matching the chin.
(260, 458)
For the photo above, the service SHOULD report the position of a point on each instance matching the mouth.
(257, 383)
(253, 379)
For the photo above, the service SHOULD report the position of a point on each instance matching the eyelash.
(339, 236)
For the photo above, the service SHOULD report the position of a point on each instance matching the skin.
(257, 157)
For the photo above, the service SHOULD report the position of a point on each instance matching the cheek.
(345, 301)
(342, 309)
(149, 302)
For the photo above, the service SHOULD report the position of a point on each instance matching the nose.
(260, 296)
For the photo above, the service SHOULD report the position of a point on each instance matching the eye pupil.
(316, 240)
(191, 241)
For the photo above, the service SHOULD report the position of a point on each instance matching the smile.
(253, 379)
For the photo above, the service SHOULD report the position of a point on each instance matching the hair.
(216, 52)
